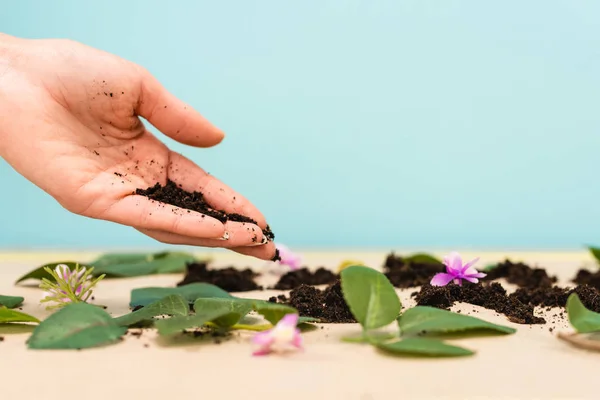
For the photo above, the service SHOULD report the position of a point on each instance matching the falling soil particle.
(521, 275)
(403, 274)
(304, 276)
(327, 305)
(491, 296)
(195, 201)
(229, 279)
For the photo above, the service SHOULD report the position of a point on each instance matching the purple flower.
(456, 271)
(283, 337)
(289, 258)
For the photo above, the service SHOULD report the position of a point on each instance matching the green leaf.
(372, 337)
(422, 258)
(371, 297)
(191, 292)
(272, 312)
(421, 319)
(489, 267)
(170, 305)
(7, 316)
(424, 347)
(11, 301)
(582, 319)
(40, 273)
(234, 309)
(76, 326)
(138, 264)
(595, 252)
(305, 320)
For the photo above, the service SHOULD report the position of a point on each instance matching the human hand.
(70, 125)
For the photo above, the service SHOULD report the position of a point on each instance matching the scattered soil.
(586, 277)
(403, 274)
(229, 279)
(303, 276)
(216, 336)
(327, 305)
(492, 296)
(194, 201)
(521, 275)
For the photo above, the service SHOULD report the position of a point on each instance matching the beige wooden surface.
(532, 364)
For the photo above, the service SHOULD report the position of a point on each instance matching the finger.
(239, 236)
(139, 211)
(265, 252)
(220, 196)
(173, 117)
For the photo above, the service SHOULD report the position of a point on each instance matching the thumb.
(173, 117)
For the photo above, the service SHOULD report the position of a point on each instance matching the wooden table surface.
(532, 364)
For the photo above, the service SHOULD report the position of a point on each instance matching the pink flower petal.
(297, 340)
(263, 351)
(289, 321)
(441, 279)
(263, 338)
(469, 264)
(458, 281)
(453, 262)
(471, 279)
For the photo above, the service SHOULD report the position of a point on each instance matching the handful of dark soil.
(194, 201)
(327, 305)
(303, 276)
(404, 274)
(229, 279)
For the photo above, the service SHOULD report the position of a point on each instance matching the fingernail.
(224, 237)
(262, 242)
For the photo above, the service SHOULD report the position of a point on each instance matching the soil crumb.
(229, 279)
(303, 276)
(327, 305)
(586, 277)
(491, 296)
(521, 275)
(194, 201)
(403, 274)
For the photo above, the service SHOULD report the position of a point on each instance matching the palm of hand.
(91, 152)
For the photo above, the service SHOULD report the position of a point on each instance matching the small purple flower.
(456, 271)
(283, 337)
(288, 257)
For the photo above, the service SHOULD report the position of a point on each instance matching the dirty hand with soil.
(70, 124)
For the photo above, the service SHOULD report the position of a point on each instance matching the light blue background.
(393, 123)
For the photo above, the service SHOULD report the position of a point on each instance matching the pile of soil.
(492, 296)
(229, 279)
(521, 275)
(586, 277)
(194, 201)
(327, 305)
(303, 276)
(403, 274)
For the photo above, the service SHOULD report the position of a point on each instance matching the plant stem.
(578, 341)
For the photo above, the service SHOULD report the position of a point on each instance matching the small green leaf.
(11, 301)
(595, 252)
(422, 258)
(234, 309)
(40, 273)
(7, 316)
(304, 320)
(582, 319)
(170, 305)
(139, 264)
(433, 320)
(76, 326)
(272, 312)
(424, 347)
(191, 292)
(489, 267)
(371, 297)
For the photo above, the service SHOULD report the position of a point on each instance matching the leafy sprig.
(68, 286)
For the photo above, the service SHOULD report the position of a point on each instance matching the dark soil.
(194, 201)
(557, 297)
(327, 305)
(585, 277)
(303, 276)
(492, 296)
(229, 279)
(403, 274)
(521, 275)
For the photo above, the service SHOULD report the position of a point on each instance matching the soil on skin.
(404, 275)
(229, 279)
(303, 276)
(327, 305)
(586, 277)
(521, 275)
(492, 296)
(194, 201)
